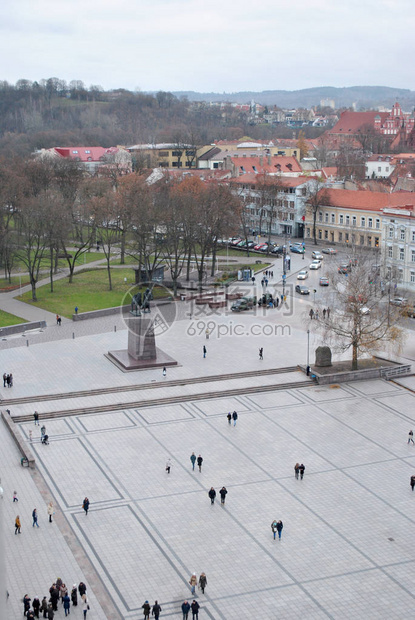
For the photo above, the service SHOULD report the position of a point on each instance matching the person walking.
(223, 492)
(274, 527)
(212, 495)
(202, 582)
(411, 436)
(229, 416)
(324, 314)
(328, 313)
(85, 505)
(26, 604)
(164, 371)
(193, 460)
(156, 610)
(44, 606)
(199, 462)
(15, 498)
(5, 379)
(76, 309)
(204, 351)
(193, 583)
(185, 610)
(43, 431)
(66, 601)
(261, 353)
(50, 511)
(85, 604)
(146, 610)
(302, 470)
(168, 466)
(17, 525)
(51, 612)
(311, 313)
(34, 516)
(81, 589)
(195, 610)
(10, 380)
(36, 417)
(297, 469)
(234, 417)
(279, 528)
(412, 483)
(36, 606)
(74, 595)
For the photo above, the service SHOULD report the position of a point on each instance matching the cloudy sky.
(210, 46)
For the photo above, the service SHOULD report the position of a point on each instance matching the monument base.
(125, 362)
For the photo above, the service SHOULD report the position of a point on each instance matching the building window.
(412, 256)
(346, 237)
(376, 242)
(333, 218)
(412, 276)
(400, 275)
(401, 253)
(390, 233)
(340, 236)
(369, 241)
(347, 220)
(320, 234)
(308, 232)
(370, 222)
(326, 234)
(390, 251)
(402, 234)
(362, 240)
(340, 219)
(163, 153)
(354, 220)
(320, 216)
(413, 235)
(363, 221)
(326, 218)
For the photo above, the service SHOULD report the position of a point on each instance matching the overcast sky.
(210, 46)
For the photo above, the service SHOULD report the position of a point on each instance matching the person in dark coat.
(74, 595)
(54, 598)
(156, 610)
(146, 610)
(297, 469)
(204, 351)
(193, 460)
(51, 612)
(66, 604)
(274, 527)
(30, 615)
(36, 606)
(212, 495)
(223, 492)
(229, 416)
(199, 462)
(412, 482)
(302, 470)
(195, 610)
(185, 610)
(44, 606)
(202, 582)
(81, 588)
(26, 603)
(85, 506)
(234, 417)
(279, 528)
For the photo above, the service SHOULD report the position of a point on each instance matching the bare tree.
(316, 197)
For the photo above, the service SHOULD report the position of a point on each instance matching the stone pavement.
(345, 549)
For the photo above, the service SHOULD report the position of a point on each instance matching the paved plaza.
(346, 549)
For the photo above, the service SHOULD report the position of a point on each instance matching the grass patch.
(89, 291)
(7, 319)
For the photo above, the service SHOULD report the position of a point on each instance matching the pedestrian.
(204, 351)
(328, 313)
(57, 319)
(212, 495)
(324, 314)
(168, 466)
(26, 603)
(76, 309)
(15, 498)
(311, 313)
(164, 371)
(282, 298)
(10, 380)
(261, 353)
(30, 614)
(316, 315)
(229, 416)
(199, 462)
(234, 417)
(50, 511)
(266, 282)
(193, 582)
(185, 610)
(34, 516)
(223, 492)
(44, 606)
(54, 596)
(279, 528)
(156, 610)
(17, 525)
(74, 595)
(411, 436)
(43, 431)
(66, 604)
(302, 470)
(4, 379)
(81, 588)
(412, 482)
(262, 282)
(51, 612)
(193, 460)
(274, 528)
(202, 582)
(195, 610)
(36, 417)
(266, 272)
(85, 604)
(146, 610)
(253, 280)
(45, 440)
(63, 591)
(36, 606)
(297, 469)
(85, 506)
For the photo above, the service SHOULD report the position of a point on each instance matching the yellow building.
(165, 155)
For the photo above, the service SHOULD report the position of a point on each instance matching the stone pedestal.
(323, 357)
(142, 352)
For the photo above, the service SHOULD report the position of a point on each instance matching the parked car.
(316, 264)
(365, 310)
(324, 281)
(317, 255)
(303, 290)
(244, 303)
(303, 275)
(278, 249)
(343, 268)
(297, 249)
(259, 246)
(251, 244)
(329, 251)
(236, 241)
(265, 299)
(399, 301)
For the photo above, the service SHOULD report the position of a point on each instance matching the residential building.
(399, 245)
(382, 166)
(166, 155)
(91, 157)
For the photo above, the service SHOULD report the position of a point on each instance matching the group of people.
(58, 592)
(35, 521)
(198, 460)
(232, 416)
(212, 495)
(7, 380)
(299, 470)
(314, 314)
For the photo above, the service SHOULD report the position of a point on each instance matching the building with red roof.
(92, 157)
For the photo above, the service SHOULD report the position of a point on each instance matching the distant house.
(92, 157)
(382, 166)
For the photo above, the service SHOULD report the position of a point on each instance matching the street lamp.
(308, 352)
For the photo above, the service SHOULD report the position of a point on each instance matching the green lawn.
(89, 291)
(7, 319)
(86, 258)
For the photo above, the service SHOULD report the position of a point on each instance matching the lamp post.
(308, 352)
